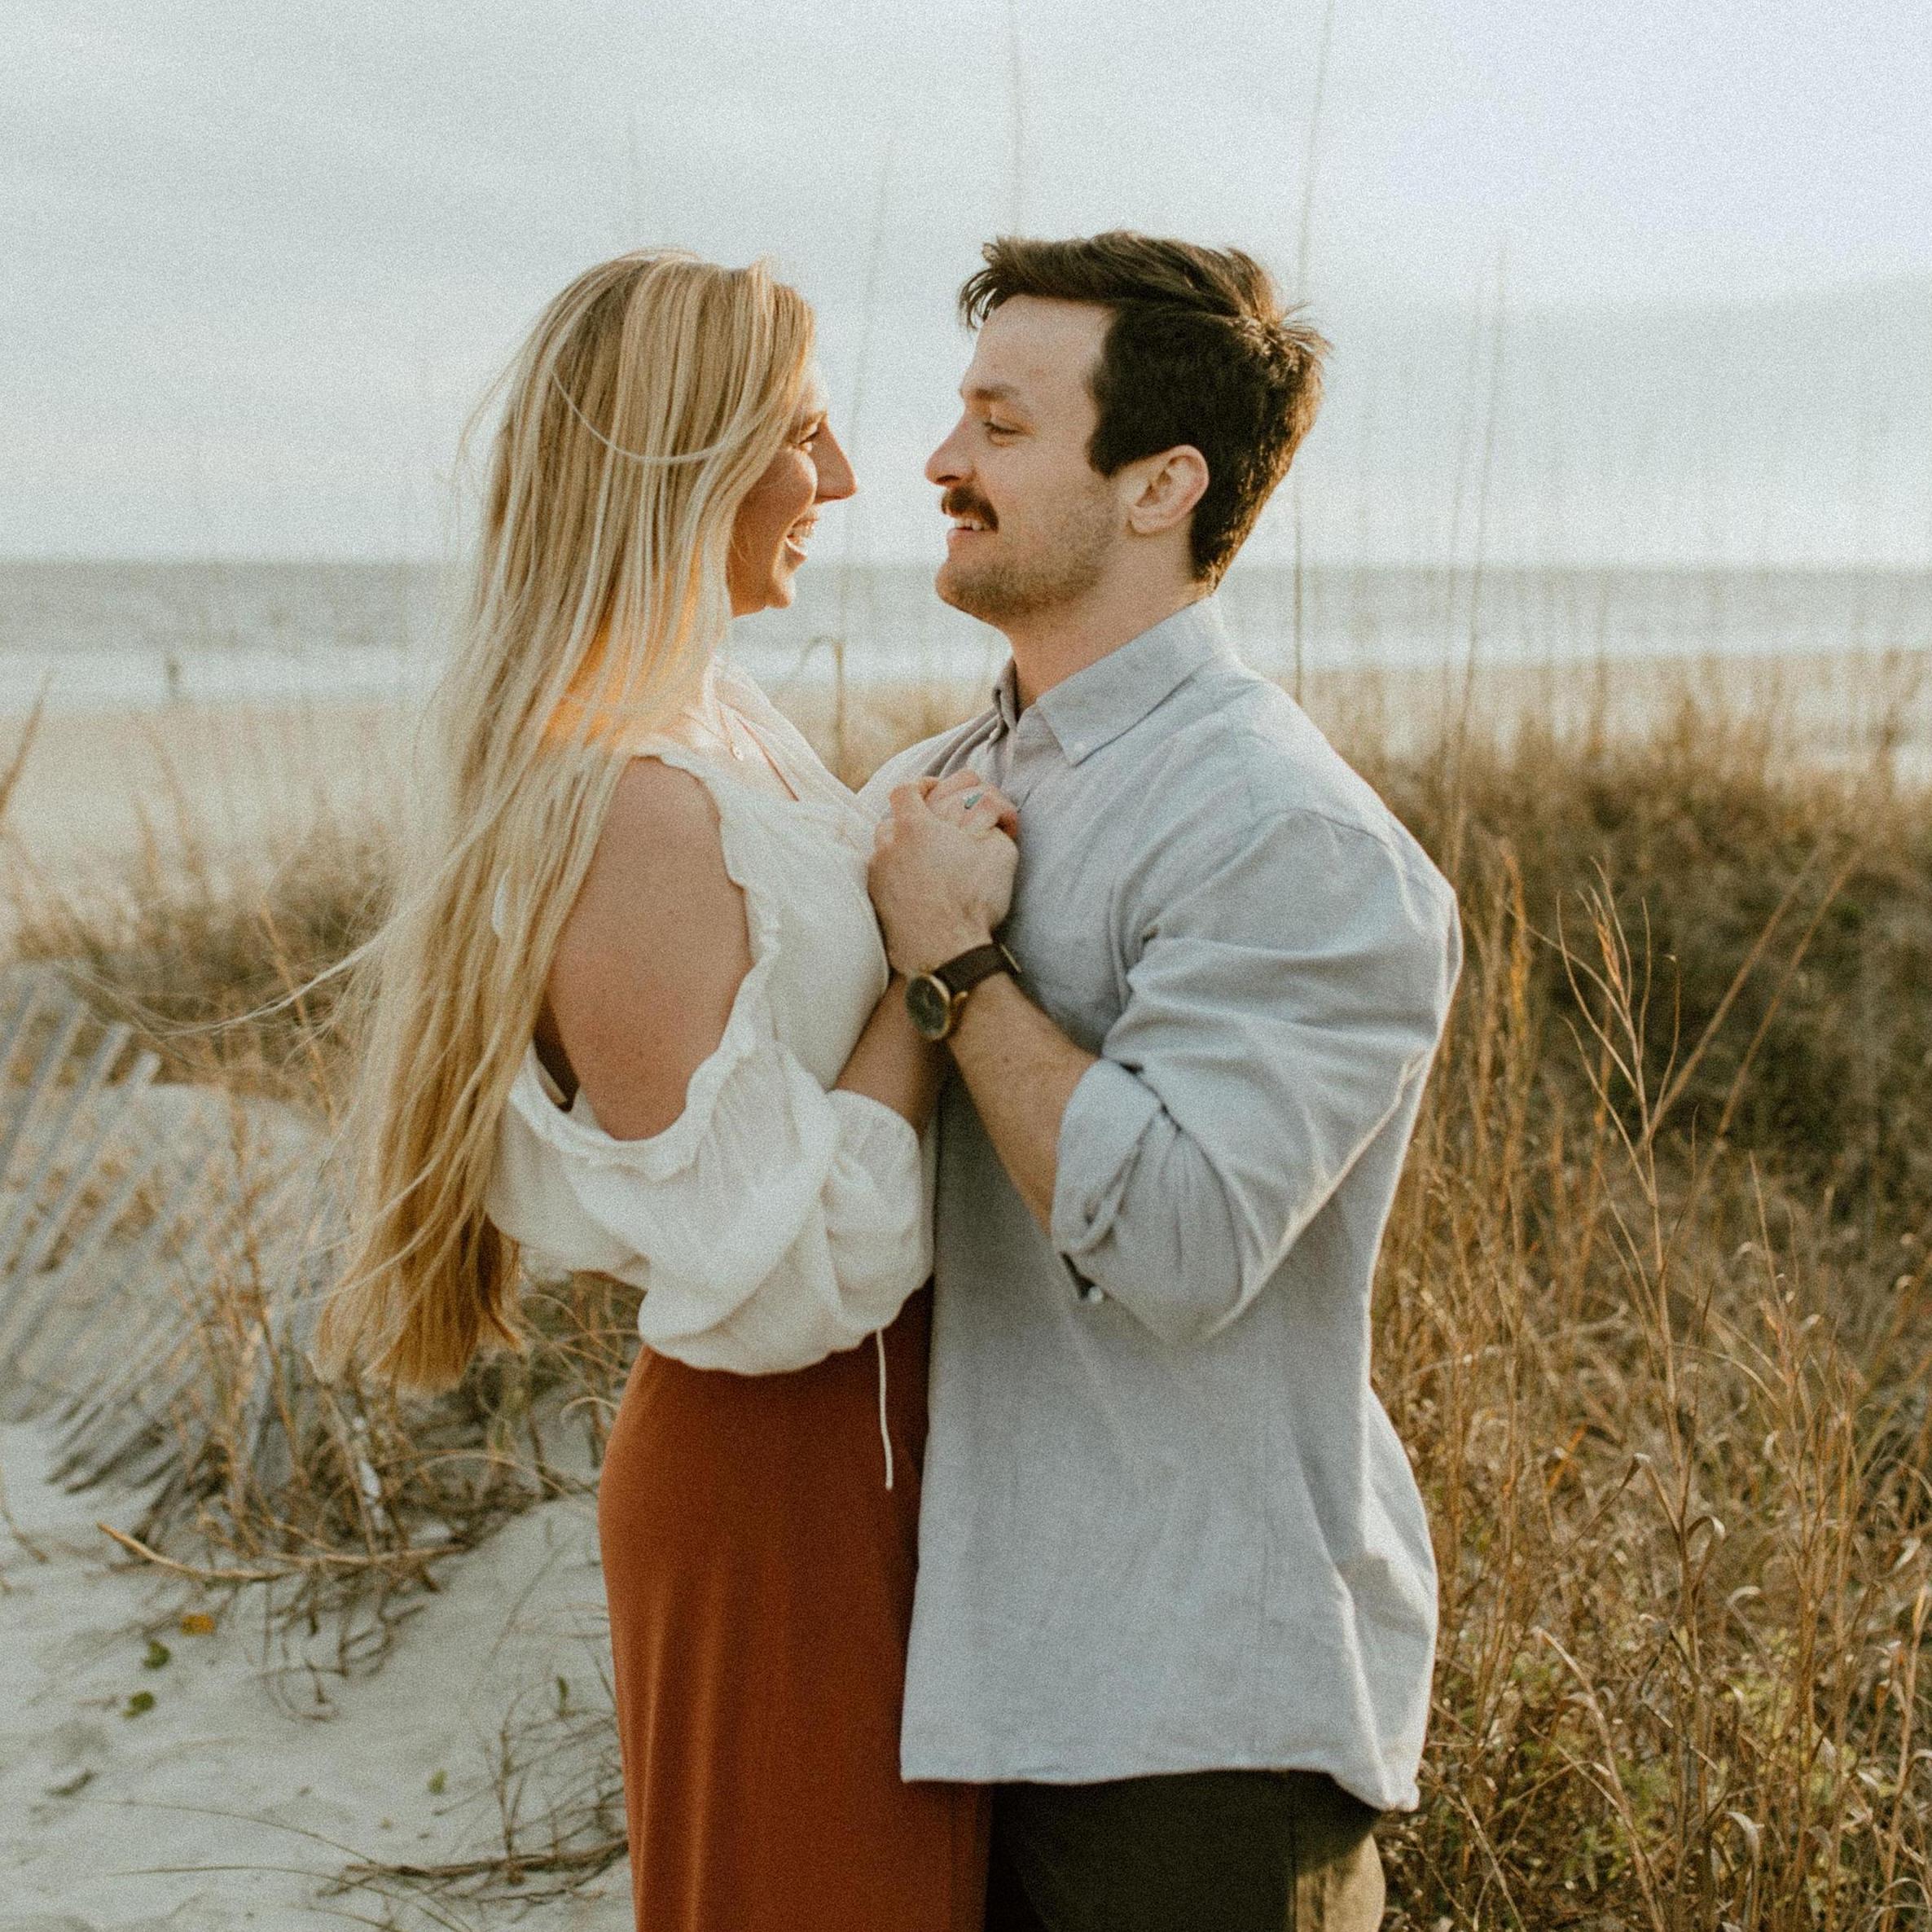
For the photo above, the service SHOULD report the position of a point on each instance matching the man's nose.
(947, 463)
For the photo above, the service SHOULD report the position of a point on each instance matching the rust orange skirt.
(759, 1575)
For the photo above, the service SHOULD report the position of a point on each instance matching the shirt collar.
(1111, 695)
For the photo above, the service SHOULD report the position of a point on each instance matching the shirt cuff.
(1106, 1114)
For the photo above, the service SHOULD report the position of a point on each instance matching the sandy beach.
(214, 1791)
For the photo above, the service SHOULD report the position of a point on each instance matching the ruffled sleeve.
(772, 1224)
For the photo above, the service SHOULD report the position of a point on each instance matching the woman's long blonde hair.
(653, 393)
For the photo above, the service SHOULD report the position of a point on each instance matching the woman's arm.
(654, 950)
(893, 1063)
(770, 1223)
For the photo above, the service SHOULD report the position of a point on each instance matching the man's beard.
(1069, 565)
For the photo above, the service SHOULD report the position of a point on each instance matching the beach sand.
(195, 1814)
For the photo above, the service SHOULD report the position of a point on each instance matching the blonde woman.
(632, 1014)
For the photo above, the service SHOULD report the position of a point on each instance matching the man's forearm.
(1021, 1071)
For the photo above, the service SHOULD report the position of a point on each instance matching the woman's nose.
(835, 479)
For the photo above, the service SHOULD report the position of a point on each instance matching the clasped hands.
(941, 873)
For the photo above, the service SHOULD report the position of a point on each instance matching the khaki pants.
(1200, 1851)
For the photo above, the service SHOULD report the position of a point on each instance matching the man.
(1176, 1599)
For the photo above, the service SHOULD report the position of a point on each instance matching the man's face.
(1035, 525)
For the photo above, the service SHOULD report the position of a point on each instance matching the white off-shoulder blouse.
(776, 1220)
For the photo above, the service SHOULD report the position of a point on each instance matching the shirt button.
(1093, 1292)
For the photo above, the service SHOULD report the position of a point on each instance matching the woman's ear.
(1165, 489)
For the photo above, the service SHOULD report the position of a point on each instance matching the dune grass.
(1653, 1317)
(1654, 1321)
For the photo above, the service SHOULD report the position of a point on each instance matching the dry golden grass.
(1654, 1315)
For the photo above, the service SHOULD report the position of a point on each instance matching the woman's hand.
(966, 799)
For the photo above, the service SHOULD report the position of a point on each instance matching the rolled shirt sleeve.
(1287, 986)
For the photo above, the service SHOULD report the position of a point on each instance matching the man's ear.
(1162, 490)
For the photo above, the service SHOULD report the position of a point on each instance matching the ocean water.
(96, 634)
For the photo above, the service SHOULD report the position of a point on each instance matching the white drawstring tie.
(884, 1433)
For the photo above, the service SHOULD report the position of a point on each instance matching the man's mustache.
(957, 502)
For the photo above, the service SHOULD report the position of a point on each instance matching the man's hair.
(1200, 351)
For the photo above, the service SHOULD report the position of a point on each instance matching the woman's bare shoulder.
(653, 950)
(661, 847)
(662, 820)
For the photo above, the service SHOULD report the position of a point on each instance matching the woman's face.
(775, 521)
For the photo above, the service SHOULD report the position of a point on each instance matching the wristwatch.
(936, 999)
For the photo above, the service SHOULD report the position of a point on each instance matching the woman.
(632, 1014)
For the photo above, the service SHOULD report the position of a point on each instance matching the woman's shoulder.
(663, 831)
(653, 951)
(663, 848)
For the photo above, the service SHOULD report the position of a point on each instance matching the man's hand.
(942, 868)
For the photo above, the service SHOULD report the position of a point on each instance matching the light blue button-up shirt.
(1166, 1526)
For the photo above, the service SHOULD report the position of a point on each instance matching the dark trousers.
(1200, 1852)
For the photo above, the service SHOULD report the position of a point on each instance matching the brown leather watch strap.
(964, 971)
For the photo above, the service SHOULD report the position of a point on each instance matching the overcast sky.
(257, 260)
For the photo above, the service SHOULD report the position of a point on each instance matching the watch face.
(929, 1004)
